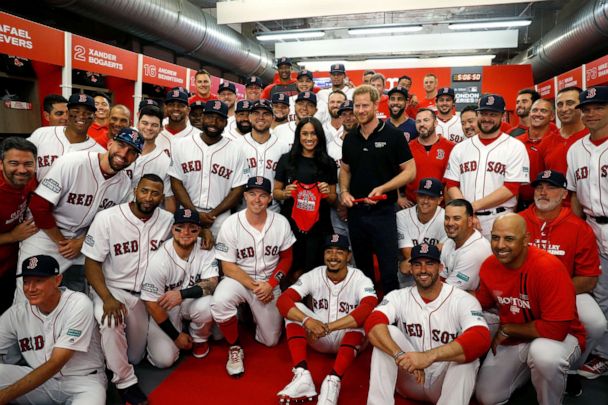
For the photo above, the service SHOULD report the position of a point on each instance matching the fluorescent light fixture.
(385, 30)
(489, 24)
(279, 36)
(401, 63)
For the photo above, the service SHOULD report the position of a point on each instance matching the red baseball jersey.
(568, 238)
(196, 97)
(541, 289)
(427, 103)
(383, 110)
(307, 201)
(430, 163)
(554, 149)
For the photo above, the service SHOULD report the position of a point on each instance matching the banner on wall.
(163, 73)
(98, 57)
(546, 89)
(466, 82)
(596, 72)
(572, 78)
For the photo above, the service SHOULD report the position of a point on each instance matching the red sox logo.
(336, 67)
(134, 136)
(33, 263)
(253, 79)
(490, 100)
(217, 105)
(440, 154)
(428, 184)
(175, 93)
(82, 98)
(259, 180)
(546, 174)
(591, 92)
(424, 248)
(246, 104)
(306, 94)
(446, 90)
(334, 238)
(187, 213)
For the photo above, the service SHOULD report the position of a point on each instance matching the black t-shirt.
(375, 160)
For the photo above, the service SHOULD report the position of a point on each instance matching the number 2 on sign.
(79, 53)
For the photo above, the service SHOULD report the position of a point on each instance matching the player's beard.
(244, 126)
(334, 113)
(145, 210)
(116, 167)
(426, 134)
(429, 283)
(490, 131)
(280, 119)
(399, 113)
(212, 134)
(184, 246)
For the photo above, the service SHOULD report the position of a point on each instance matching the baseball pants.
(486, 222)
(72, 390)
(445, 382)
(125, 344)
(546, 361)
(162, 351)
(226, 299)
(594, 321)
(601, 296)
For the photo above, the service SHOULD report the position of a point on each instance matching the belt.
(132, 292)
(600, 220)
(491, 212)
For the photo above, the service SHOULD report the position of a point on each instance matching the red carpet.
(267, 371)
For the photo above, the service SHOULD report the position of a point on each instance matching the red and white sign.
(596, 72)
(163, 73)
(30, 40)
(546, 89)
(102, 58)
(572, 78)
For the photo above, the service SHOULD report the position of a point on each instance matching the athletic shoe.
(573, 386)
(300, 389)
(594, 368)
(200, 349)
(133, 395)
(330, 390)
(235, 365)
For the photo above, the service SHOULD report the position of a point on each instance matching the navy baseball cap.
(131, 137)
(148, 102)
(430, 186)
(399, 89)
(262, 104)
(492, 102)
(307, 96)
(82, 99)
(445, 91)
(226, 86)
(425, 251)
(337, 68)
(284, 61)
(306, 73)
(593, 95)
(258, 182)
(39, 266)
(243, 105)
(186, 216)
(177, 94)
(197, 104)
(216, 107)
(336, 240)
(552, 177)
(254, 81)
(345, 106)
(280, 98)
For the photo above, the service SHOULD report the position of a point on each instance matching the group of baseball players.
(121, 242)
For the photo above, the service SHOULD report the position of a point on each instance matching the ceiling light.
(283, 35)
(385, 30)
(490, 24)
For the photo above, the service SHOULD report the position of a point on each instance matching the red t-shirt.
(554, 149)
(428, 164)
(99, 133)
(541, 289)
(427, 103)
(13, 205)
(568, 238)
(196, 97)
(383, 111)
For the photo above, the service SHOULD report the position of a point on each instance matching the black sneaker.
(133, 395)
(573, 386)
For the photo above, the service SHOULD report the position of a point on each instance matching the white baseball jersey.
(123, 243)
(231, 131)
(165, 139)
(461, 266)
(70, 325)
(255, 252)
(78, 189)
(411, 232)
(587, 176)
(286, 132)
(322, 113)
(334, 147)
(323, 94)
(451, 129)
(331, 132)
(52, 144)
(482, 169)
(156, 162)
(168, 271)
(334, 301)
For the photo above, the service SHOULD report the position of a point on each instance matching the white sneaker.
(300, 389)
(330, 390)
(235, 366)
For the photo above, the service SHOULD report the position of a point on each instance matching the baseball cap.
(186, 216)
(306, 73)
(430, 186)
(216, 107)
(197, 104)
(243, 105)
(147, 103)
(283, 61)
(39, 266)
(262, 104)
(226, 86)
(552, 177)
(177, 94)
(337, 68)
(593, 95)
(131, 137)
(492, 102)
(347, 105)
(280, 98)
(258, 182)
(399, 89)
(445, 91)
(82, 99)
(307, 96)
(425, 250)
(254, 81)
(336, 240)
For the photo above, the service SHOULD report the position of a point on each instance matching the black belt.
(496, 211)
(132, 292)
(600, 220)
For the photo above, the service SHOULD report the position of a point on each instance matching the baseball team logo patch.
(440, 154)
(32, 263)
(591, 92)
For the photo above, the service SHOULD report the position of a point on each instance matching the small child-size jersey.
(451, 129)
(156, 162)
(334, 301)
(255, 252)
(123, 243)
(461, 266)
(52, 143)
(78, 190)
(167, 271)
(411, 232)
